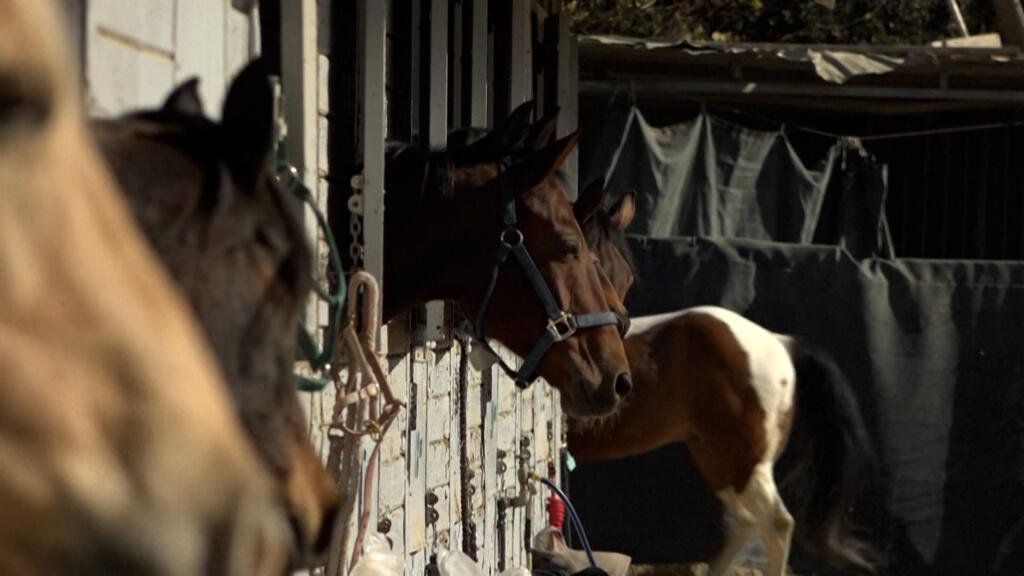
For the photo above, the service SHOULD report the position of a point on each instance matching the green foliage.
(803, 21)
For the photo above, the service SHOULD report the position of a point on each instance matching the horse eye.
(269, 240)
(572, 248)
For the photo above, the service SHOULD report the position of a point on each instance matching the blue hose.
(575, 520)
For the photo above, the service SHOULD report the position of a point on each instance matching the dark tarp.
(934, 348)
(936, 352)
(710, 177)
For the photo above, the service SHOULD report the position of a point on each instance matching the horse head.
(111, 464)
(234, 242)
(605, 231)
(498, 235)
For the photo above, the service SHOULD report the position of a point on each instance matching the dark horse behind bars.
(750, 405)
(498, 236)
(234, 243)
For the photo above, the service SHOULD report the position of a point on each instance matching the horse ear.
(623, 211)
(510, 134)
(542, 131)
(248, 122)
(185, 99)
(546, 162)
(465, 138)
(589, 202)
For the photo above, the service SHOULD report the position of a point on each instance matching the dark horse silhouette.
(447, 230)
(750, 405)
(120, 449)
(233, 241)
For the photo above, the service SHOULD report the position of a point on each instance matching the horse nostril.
(323, 536)
(623, 385)
(312, 549)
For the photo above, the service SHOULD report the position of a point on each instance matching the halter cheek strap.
(561, 325)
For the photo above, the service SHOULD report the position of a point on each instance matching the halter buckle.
(562, 327)
(511, 236)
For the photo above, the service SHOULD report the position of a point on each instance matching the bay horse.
(233, 241)
(121, 451)
(740, 397)
(498, 236)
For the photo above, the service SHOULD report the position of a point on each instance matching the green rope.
(307, 345)
(288, 176)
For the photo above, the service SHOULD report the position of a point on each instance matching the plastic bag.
(455, 563)
(378, 559)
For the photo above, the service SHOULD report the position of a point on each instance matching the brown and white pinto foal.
(120, 449)
(738, 396)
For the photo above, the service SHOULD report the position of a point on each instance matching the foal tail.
(826, 457)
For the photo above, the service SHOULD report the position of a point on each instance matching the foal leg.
(776, 522)
(740, 531)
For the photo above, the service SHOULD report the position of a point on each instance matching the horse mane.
(434, 170)
(199, 139)
(431, 170)
(193, 135)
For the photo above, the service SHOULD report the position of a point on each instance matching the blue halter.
(561, 324)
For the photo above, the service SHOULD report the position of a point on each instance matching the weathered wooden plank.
(439, 424)
(391, 493)
(239, 45)
(121, 77)
(437, 464)
(150, 23)
(416, 458)
(323, 82)
(199, 33)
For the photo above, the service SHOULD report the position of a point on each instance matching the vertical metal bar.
(374, 129)
(433, 328)
(568, 95)
(458, 54)
(299, 78)
(521, 64)
(415, 74)
(481, 76)
(438, 121)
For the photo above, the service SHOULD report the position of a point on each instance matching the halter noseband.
(561, 324)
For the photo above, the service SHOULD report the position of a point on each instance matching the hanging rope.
(870, 137)
(287, 177)
(358, 410)
(366, 379)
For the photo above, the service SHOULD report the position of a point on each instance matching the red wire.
(556, 511)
